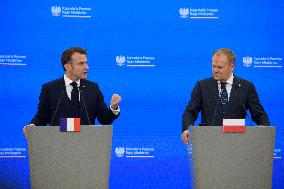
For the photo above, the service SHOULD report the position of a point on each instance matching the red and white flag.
(234, 125)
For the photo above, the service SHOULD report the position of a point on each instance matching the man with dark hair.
(67, 54)
(224, 96)
(74, 96)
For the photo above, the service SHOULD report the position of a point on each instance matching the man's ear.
(232, 67)
(67, 66)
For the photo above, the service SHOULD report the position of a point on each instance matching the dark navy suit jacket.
(205, 99)
(53, 91)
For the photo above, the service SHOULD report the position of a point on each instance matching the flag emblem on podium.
(234, 126)
(70, 124)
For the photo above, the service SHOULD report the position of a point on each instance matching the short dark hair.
(67, 54)
(228, 53)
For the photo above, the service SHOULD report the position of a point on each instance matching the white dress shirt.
(229, 86)
(69, 88)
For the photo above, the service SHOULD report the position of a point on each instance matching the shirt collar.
(68, 81)
(229, 81)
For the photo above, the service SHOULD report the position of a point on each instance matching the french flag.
(234, 125)
(70, 124)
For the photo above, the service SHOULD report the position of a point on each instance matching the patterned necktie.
(224, 98)
(75, 100)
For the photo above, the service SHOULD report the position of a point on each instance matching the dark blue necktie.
(224, 98)
(75, 100)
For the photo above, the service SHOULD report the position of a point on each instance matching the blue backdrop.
(151, 53)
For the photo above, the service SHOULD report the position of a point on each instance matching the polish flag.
(234, 125)
(70, 124)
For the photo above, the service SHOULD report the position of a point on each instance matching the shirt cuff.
(116, 112)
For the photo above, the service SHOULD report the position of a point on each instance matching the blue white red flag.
(70, 124)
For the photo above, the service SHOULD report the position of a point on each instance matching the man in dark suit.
(224, 96)
(74, 96)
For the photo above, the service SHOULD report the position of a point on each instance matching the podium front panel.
(231, 160)
(69, 159)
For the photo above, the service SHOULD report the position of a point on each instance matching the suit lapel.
(65, 104)
(233, 94)
(82, 97)
(216, 99)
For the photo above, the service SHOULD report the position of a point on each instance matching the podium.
(231, 160)
(61, 160)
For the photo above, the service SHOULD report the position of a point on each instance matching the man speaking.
(225, 96)
(73, 96)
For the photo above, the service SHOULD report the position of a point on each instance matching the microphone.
(57, 106)
(215, 111)
(81, 88)
(238, 86)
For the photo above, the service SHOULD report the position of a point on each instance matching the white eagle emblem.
(55, 10)
(120, 60)
(119, 151)
(184, 12)
(247, 61)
